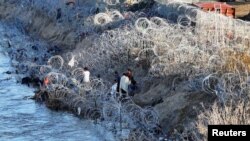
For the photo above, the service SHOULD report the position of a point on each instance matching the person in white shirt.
(86, 80)
(124, 83)
(86, 74)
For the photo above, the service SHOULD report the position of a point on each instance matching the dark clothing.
(97, 10)
(132, 87)
(131, 78)
(124, 93)
(133, 82)
(117, 78)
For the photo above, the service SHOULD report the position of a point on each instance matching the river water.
(22, 119)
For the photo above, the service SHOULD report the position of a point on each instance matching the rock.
(41, 96)
(34, 47)
(141, 5)
(8, 72)
(36, 82)
(26, 81)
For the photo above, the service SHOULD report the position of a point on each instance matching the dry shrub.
(236, 61)
(234, 113)
(231, 114)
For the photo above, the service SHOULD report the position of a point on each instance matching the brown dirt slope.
(176, 104)
(37, 23)
(242, 8)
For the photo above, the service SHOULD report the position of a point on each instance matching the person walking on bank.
(131, 77)
(117, 78)
(86, 75)
(129, 72)
(86, 79)
(133, 86)
(124, 83)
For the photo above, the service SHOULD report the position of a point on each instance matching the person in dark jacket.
(117, 78)
(133, 85)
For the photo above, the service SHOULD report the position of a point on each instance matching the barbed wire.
(210, 49)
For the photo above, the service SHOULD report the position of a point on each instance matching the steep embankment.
(36, 22)
(174, 105)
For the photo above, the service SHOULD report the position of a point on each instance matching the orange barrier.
(219, 7)
(230, 12)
